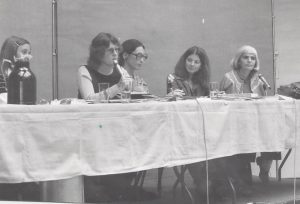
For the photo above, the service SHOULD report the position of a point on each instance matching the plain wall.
(167, 28)
(287, 41)
(31, 20)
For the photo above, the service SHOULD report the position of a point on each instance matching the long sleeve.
(175, 82)
(226, 84)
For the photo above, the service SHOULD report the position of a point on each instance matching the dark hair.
(9, 50)
(129, 47)
(202, 76)
(10, 47)
(98, 46)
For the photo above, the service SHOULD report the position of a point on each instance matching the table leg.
(66, 190)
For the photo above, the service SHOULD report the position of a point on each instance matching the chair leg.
(282, 163)
(159, 179)
(183, 169)
(143, 178)
(139, 178)
(180, 179)
(177, 179)
(233, 191)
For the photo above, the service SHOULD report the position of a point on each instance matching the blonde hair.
(241, 51)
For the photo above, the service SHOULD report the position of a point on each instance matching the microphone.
(116, 65)
(264, 81)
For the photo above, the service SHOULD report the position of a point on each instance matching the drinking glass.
(213, 89)
(126, 92)
(103, 87)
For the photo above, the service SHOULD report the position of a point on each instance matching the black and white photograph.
(150, 101)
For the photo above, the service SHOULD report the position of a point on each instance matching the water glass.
(126, 92)
(213, 89)
(103, 97)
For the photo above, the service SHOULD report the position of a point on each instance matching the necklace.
(243, 76)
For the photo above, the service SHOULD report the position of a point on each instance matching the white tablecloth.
(51, 142)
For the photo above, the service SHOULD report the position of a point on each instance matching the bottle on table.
(21, 84)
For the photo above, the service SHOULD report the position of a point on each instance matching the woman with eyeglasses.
(101, 67)
(12, 49)
(132, 57)
(243, 78)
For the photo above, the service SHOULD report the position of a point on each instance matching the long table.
(54, 142)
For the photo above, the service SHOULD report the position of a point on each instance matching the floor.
(276, 192)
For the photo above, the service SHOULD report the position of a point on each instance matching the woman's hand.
(176, 93)
(121, 85)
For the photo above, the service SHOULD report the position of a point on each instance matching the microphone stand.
(265, 90)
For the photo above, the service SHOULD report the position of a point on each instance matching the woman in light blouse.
(132, 57)
(243, 78)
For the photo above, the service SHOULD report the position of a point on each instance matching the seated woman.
(191, 74)
(12, 49)
(244, 79)
(101, 67)
(132, 57)
(191, 78)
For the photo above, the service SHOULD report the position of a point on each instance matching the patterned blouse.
(175, 82)
(233, 84)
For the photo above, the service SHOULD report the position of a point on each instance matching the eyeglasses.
(112, 50)
(140, 56)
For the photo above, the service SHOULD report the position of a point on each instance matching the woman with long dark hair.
(191, 78)
(191, 73)
(12, 49)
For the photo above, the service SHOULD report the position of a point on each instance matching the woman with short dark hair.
(132, 57)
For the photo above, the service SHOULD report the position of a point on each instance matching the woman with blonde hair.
(244, 78)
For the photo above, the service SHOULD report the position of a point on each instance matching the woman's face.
(136, 59)
(24, 52)
(192, 63)
(247, 61)
(111, 55)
